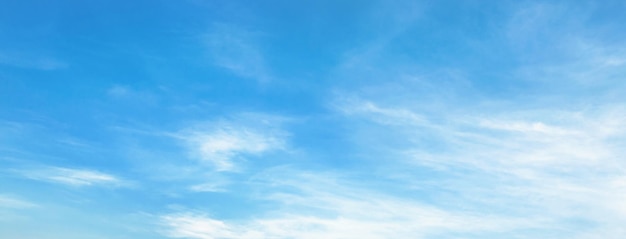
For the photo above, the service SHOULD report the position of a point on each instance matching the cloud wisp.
(562, 165)
(327, 206)
(32, 62)
(234, 49)
(73, 177)
(223, 143)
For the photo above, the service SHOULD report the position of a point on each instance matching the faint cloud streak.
(235, 49)
(73, 177)
(7, 201)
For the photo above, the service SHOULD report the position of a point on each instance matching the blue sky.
(312, 119)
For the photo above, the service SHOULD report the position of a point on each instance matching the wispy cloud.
(72, 177)
(130, 94)
(235, 49)
(397, 17)
(560, 43)
(208, 187)
(223, 142)
(562, 164)
(194, 226)
(550, 158)
(211, 183)
(326, 206)
(452, 161)
(31, 62)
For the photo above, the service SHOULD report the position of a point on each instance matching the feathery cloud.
(561, 164)
(223, 142)
(72, 177)
(326, 206)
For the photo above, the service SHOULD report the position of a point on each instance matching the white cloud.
(207, 187)
(562, 164)
(197, 226)
(73, 177)
(223, 142)
(527, 127)
(325, 206)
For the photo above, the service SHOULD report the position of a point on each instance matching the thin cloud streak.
(72, 177)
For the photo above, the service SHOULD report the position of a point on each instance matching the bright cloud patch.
(196, 226)
(225, 143)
